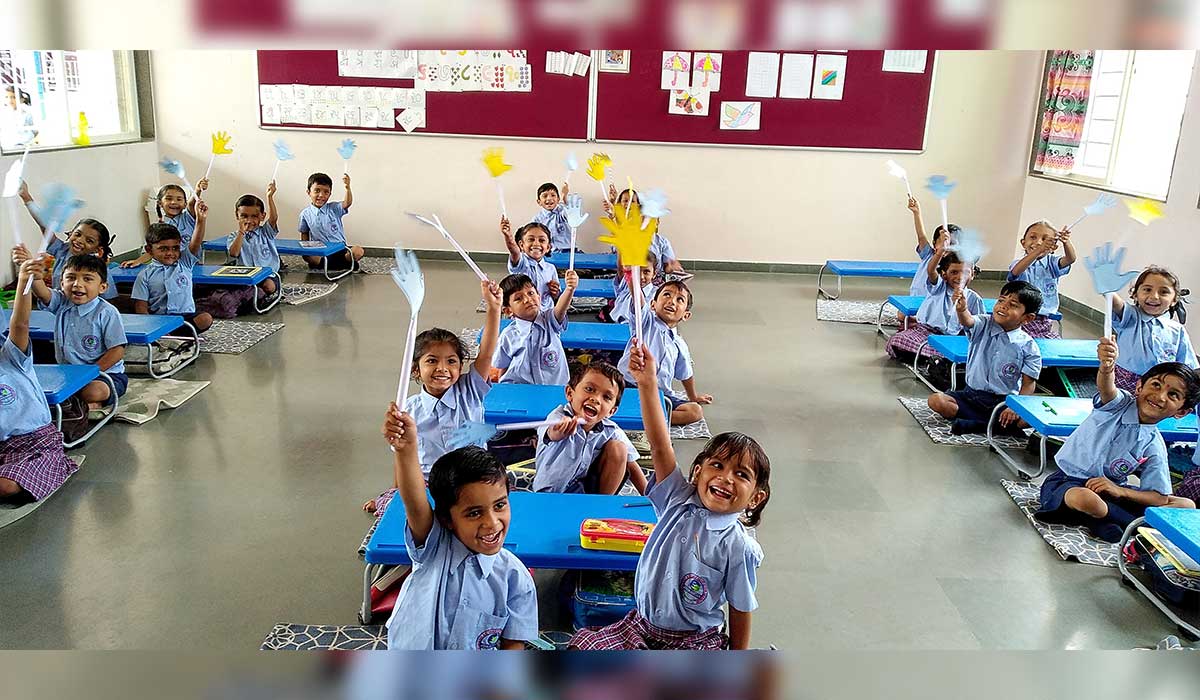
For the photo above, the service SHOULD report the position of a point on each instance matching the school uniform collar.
(484, 563)
(84, 310)
(599, 427)
(445, 399)
(1147, 318)
(717, 522)
(1016, 336)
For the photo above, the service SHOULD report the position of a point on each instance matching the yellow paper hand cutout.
(1144, 211)
(597, 165)
(220, 143)
(627, 235)
(493, 160)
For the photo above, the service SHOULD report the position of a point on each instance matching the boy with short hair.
(253, 244)
(585, 452)
(465, 590)
(530, 350)
(1002, 360)
(527, 253)
(322, 221)
(672, 305)
(165, 285)
(1117, 440)
(551, 216)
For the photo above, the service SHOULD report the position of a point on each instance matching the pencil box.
(614, 534)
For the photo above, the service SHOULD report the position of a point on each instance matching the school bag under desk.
(1181, 528)
(61, 382)
(207, 276)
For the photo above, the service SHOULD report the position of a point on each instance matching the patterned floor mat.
(297, 294)
(144, 397)
(938, 428)
(10, 513)
(692, 431)
(377, 266)
(855, 312)
(169, 353)
(288, 637)
(1072, 543)
(235, 337)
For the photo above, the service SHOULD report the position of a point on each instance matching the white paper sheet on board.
(351, 116)
(287, 94)
(904, 61)
(370, 117)
(411, 118)
(762, 74)
(706, 71)
(829, 77)
(795, 80)
(740, 116)
(690, 102)
(581, 63)
(270, 114)
(676, 70)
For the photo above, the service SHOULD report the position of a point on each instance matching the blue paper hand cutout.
(940, 186)
(654, 204)
(172, 166)
(969, 246)
(346, 150)
(1104, 265)
(282, 152)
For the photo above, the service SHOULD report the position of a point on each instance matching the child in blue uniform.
(530, 349)
(552, 217)
(585, 452)
(32, 462)
(1002, 360)
(665, 262)
(1042, 269)
(253, 244)
(165, 285)
(622, 309)
(936, 315)
(1118, 440)
(465, 590)
(700, 555)
(87, 237)
(172, 206)
(321, 221)
(527, 253)
(923, 281)
(87, 329)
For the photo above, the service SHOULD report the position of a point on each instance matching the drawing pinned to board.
(795, 81)
(830, 77)
(613, 61)
(706, 71)
(674, 64)
(762, 74)
(692, 102)
(740, 116)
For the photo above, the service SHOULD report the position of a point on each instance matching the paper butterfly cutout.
(1104, 265)
(1144, 211)
(173, 167)
(493, 160)
(895, 170)
(572, 163)
(654, 204)
(940, 186)
(220, 143)
(597, 165)
(407, 276)
(737, 117)
(1102, 204)
(282, 152)
(574, 211)
(969, 246)
(346, 150)
(58, 203)
(688, 103)
(627, 235)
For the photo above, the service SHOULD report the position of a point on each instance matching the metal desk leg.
(195, 353)
(353, 264)
(1158, 603)
(112, 387)
(369, 573)
(275, 301)
(1008, 460)
(821, 292)
(917, 372)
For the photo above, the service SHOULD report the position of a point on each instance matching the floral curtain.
(1064, 106)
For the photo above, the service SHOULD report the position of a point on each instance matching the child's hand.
(572, 279)
(608, 208)
(612, 193)
(201, 210)
(939, 248)
(506, 228)
(1064, 235)
(960, 300)
(151, 207)
(399, 429)
(1107, 353)
(913, 205)
(1101, 486)
(346, 180)
(490, 291)
(563, 429)
(23, 193)
(31, 268)
(641, 366)
(130, 263)
(20, 254)
(703, 399)
(1008, 417)
(566, 190)
(270, 189)
(553, 288)
(201, 186)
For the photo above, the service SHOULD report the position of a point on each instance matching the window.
(1130, 128)
(69, 98)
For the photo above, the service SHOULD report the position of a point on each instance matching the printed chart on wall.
(442, 91)
(810, 99)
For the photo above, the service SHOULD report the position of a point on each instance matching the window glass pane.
(1153, 116)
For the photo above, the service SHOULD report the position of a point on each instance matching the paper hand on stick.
(493, 160)
(940, 186)
(175, 168)
(572, 165)
(220, 143)
(1104, 265)
(969, 246)
(597, 165)
(12, 179)
(1103, 203)
(1144, 211)
(574, 212)
(628, 237)
(409, 279)
(282, 151)
(58, 204)
(895, 170)
(346, 150)
(654, 204)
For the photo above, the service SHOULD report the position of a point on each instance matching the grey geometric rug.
(169, 353)
(143, 398)
(289, 637)
(1072, 542)
(938, 428)
(11, 513)
(235, 337)
(377, 266)
(297, 294)
(692, 431)
(855, 312)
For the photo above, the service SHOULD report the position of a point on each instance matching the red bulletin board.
(556, 108)
(878, 110)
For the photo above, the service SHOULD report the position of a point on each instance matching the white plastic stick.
(574, 234)
(1076, 221)
(945, 217)
(604, 192)
(406, 368)
(530, 425)
(345, 167)
(908, 187)
(41, 251)
(500, 194)
(1108, 304)
(459, 248)
(211, 159)
(275, 171)
(635, 281)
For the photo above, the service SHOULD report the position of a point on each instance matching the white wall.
(1173, 241)
(728, 204)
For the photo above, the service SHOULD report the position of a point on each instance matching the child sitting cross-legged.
(551, 216)
(530, 350)
(165, 285)
(1117, 440)
(1002, 360)
(465, 590)
(585, 452)
(253, 244)
(700, 555)
(527, 253)
(322, 221)
(1041, 268)
(936, 315)
(87, 329)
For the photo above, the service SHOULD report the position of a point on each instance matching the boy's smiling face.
(594, 398)
(548, 200)
(480, 516)
(1009, 312)
(1037, 236)
(525, 303)
(249, 218)
(165, 251)
(1160, 397)
(318, 194)
(81, 286)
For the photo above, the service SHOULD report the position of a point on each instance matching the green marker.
(1049, 408)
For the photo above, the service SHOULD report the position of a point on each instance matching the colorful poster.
(676, 70)
(706, 71)
(691, 102)
(829, 76)
(740, 116)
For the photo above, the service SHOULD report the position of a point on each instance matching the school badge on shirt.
(550, 359)
(693, 589)
(7, 395)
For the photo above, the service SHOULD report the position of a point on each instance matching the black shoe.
(962, 427)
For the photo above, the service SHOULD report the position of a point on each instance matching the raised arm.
(349, 195)
(27, 198)
(1068, 257)
(196, 195)
(514, 251)
(491, 328)
(1118, 307)
(1023, 264)
(401, 433)
(564, 299)
(18, 322)
(272, 212)
(235, 245)
(1106, 380)
(965, 318)
(918, 223)
(40, 290)
(939, 252)
(198, 236)
(642, 367)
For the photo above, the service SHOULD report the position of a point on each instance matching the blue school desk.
(584, 261)
(61, 382)
(543, 533)
(1059, 416)
(583, 335)
(520, 403)
(1182, 529)
(863, 268)
(294, 246)
(140, 329)
(1055, 353)
(600, 288)
(203, 276)
(909, 306)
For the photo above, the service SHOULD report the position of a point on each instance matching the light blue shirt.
(185, 222)
(556, 222)
(1043, 274)
(324, 224)
(84, 332)
(22, 401)
(258, 247)
(437, 419)
(622, 311)
(938, 308)
(695, 561)
(663, 251)
(61, 250)
(563, 464)
(920, 286)
(457, 599)
(665, 345)
(167, 289)
(540, 271)
(1144, 341)
(1112, 442)
(531, 352)
(996, 358)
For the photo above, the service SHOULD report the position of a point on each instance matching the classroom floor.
(202, 529)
